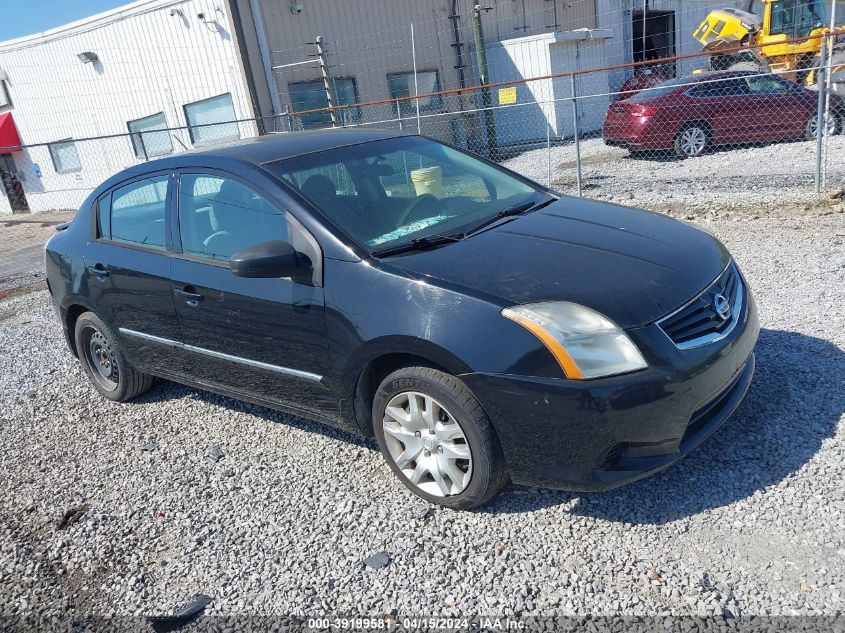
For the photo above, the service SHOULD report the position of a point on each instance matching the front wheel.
(104, 362)
(692, 140)
(437, 439)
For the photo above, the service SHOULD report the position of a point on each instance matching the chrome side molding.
(288, 371)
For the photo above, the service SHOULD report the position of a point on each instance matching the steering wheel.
(415, 207)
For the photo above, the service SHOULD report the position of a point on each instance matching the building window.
(64, 156)
(4, 95)
(311, 95)
(402, 85)
(210, 120)
(145, 141)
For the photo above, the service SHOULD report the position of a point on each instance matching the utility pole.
(327, 82)
(484, 79)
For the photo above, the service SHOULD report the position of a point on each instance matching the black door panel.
(131, 289)
(266, 337)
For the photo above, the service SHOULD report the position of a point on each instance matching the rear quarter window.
(103, 208)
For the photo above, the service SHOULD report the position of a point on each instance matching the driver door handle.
(190, 295)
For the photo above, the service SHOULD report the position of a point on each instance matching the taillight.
(643, 111)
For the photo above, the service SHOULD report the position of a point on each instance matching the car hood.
(632, 266)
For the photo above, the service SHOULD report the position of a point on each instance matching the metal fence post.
(416, 86)
(548, 154)
(327, 81)
(399, 113)
(484, 79)
(821, 80)
(577, 134)
(831, 43)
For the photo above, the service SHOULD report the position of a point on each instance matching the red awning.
(8, 134)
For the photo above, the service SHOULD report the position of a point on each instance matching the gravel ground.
(749, 180)
(751, 523)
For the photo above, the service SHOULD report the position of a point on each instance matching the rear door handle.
(190, 295)
(99, 270)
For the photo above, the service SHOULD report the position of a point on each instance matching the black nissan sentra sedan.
(480, 326)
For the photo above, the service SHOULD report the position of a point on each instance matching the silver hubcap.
(830, 126)
(693, 141)
(427, 444)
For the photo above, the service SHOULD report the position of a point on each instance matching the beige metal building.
(371, 50)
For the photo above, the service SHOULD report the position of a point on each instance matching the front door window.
(219, 217)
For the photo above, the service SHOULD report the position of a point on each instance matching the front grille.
(699, 321)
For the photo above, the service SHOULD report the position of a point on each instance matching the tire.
(693, 140)
(834, 126)
(104, 363)
(462, 483)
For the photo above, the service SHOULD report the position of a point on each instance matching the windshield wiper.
(518, 209)
(418, 244)
(421, 243)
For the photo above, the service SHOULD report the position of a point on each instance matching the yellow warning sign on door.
(507, 96)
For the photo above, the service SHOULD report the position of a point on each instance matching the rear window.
(730, 87)
(660, 90)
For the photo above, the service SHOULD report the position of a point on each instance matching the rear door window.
(138, 213)
(660, 90)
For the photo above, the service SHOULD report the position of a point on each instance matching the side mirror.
(268, 259)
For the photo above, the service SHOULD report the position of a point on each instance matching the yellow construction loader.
(786, 39)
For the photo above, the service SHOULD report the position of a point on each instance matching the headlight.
(584, 343)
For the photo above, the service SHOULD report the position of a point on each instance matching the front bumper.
(599, 434)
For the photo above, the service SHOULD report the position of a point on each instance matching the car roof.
(273, 147)
(713, 75)
(685, 81)
(253, 152)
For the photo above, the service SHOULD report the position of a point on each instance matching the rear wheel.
(104, 363)
(833, 126)
(437, 439)
(692, 140)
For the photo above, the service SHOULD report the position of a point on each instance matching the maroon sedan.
(691, 114)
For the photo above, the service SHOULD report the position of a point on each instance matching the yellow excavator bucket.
(726, 25)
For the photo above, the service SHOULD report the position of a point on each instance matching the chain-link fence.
(734, 138)
(59, 175)
(730, 138)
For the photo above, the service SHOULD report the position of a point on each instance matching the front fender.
(373, 312)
